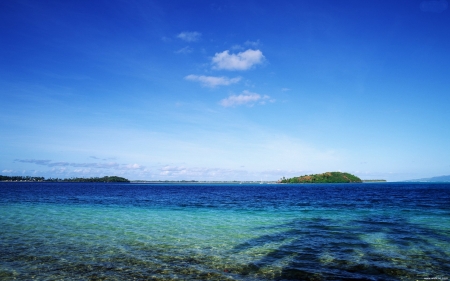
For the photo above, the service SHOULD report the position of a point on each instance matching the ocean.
(96, 231)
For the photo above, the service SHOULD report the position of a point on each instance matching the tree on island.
(328, 177)
(41, 179)
(97, 179)
(21, 178)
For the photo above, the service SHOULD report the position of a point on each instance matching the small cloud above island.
(199, 172)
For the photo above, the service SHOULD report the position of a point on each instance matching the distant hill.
(433, 179)
(328, 177)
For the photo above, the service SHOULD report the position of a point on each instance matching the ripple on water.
(157, 234)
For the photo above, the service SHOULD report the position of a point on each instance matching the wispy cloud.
(34, 161)
(195, 172)
(187, 173)
(276, 173)
(213, 81)
(104, 159)
(59, 170)
(185, 50)
(237, 47)
(189, 36)
(248, 43)
(246, 98)
(240, 61)
(253, 44)
(435, 6)
(104, 165)
(166, 39)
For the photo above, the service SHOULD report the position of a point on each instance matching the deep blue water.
(73, 231)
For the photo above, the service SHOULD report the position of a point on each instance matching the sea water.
(94, 231)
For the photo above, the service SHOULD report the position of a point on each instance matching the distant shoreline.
(374, 181)
(172, 182)
(42, 179)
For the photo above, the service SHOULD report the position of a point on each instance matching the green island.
(42, 179)
(328, 177)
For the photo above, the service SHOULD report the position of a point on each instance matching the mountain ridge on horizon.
(432, 179)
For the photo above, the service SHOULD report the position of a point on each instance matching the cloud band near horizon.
(108, 165)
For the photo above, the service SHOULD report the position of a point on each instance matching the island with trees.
(42, 179)
(328, 177)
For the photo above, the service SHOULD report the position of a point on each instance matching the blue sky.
(224, 90)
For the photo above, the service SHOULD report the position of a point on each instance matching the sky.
(224, 90)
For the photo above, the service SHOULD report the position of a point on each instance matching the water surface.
(93, 231)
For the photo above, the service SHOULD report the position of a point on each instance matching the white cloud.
(189, 36)
(285, 89)
(239, 61)
(59, 170)
(246, 97)
(82, 171)
(133, 167)
(212, 81)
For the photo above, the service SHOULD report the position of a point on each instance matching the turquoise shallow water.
(67, 231)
